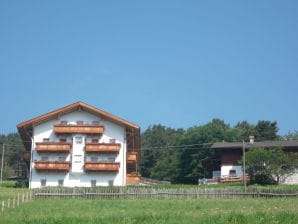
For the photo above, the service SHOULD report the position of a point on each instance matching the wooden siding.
(132, 156)
(230, 158)
(132, 179)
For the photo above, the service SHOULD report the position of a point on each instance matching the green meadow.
(274, 210)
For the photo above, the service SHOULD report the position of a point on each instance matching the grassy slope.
(9, 193)
(278, 210)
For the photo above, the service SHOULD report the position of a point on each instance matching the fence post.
(2, 206)
(18, 204)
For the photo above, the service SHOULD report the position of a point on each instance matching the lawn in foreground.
(278, 210)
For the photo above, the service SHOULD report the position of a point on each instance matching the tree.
(269, 166)
(244, 130)
(291, 136)
(13, 153)
(266, 130)
(196, 142)
(156, 157)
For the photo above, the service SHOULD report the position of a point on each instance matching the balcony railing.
(103, 147)
(53, 147)
(78, 128)
(101, 167)
(61, 166)
(132, 156)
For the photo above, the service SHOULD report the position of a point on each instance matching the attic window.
(95, 122)
(80, 122)
(63, 140)
(45, 139)
(63, 122)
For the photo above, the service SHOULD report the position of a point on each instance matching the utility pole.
(2, 163)
(243, 157)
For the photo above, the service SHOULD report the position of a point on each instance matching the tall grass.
(278, 210)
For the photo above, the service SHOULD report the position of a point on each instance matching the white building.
(81, 146)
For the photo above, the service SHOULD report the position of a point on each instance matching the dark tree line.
(176, 154)
(13, 148)
(170, 154)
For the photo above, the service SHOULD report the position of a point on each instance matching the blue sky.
(178, 63)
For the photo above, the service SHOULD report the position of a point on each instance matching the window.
(112, 140)
(43, 182)
(60, 182)
(44, 158)
(93, 183)
(110, 182)
(94, 158)
(77, 158)
(232, 173)
(63, 140)
(95, 122)
(62, 158)
(111, 159)
(79, 140)
(63, 122)
(94, 140)
(80, 122)
(45, 139)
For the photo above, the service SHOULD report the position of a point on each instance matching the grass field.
(277, 210)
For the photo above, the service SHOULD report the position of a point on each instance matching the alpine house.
(80, 146)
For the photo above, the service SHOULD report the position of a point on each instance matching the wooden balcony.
(101, 167)
(78, 128)
(53, 147)
(52, 166)
(103, 147)
(132, 156)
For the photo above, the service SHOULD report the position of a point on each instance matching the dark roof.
(264, 144)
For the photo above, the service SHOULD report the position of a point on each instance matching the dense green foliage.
(207, 211)
(268, 166)
(176, 154)
(13, 153)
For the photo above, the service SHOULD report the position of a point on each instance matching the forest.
(167, 153)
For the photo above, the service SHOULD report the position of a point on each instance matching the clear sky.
(177, 63)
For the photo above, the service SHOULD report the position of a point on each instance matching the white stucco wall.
(77, 176)
(225, 170)
(291, 179)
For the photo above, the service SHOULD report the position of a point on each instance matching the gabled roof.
(25, 128)
(263, 144)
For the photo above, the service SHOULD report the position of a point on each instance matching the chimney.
(251, 139)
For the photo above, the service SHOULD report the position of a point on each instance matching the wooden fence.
(16, 201)
(140, 192)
